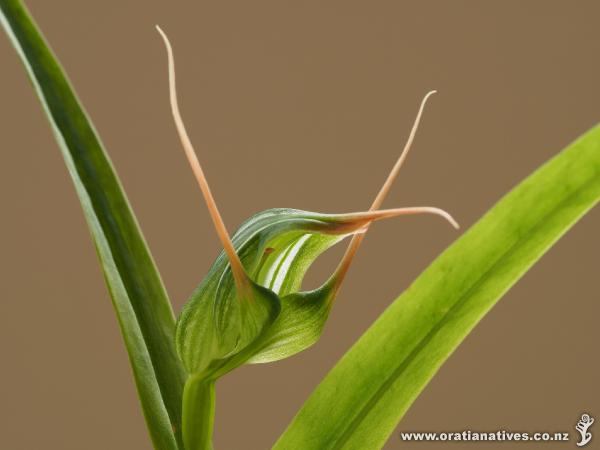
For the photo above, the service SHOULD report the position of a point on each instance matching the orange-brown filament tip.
(396, 169)
(237, 269)
(372, 216)
(342, 269)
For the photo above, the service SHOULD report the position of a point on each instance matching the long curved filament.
(344, 265)
(239, 274)
(380, 197)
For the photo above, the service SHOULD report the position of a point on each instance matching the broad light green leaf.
(359, 403)
(138, 295)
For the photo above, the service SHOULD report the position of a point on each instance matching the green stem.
(198, 413)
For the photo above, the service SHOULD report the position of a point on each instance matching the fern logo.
(583, 426)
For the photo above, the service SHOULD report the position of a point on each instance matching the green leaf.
(138, 295)
(359, 403)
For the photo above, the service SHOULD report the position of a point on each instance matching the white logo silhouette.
(582, 426)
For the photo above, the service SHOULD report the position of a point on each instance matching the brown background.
(306, 105)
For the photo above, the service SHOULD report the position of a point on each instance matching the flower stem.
(198, 413)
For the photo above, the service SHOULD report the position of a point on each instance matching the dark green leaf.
(138, 295)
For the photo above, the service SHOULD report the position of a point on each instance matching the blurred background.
(305, 105)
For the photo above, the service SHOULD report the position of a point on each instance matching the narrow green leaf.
(138, 295)
(359, 403)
